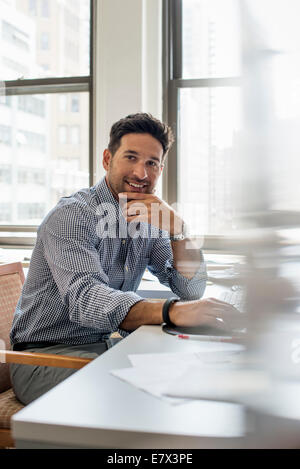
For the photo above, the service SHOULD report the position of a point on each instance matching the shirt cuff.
(120, 313)
(185, 288)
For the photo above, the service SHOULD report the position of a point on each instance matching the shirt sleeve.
(161, 265)
(71, 254)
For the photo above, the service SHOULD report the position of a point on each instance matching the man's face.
(135, 166)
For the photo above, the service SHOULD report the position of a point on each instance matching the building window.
(31, 176)
(75, 100)
(5, 212)
(32, 105)
(45, 12)
(5, 174)
(45, 41)
(5, 135)
(31, 140)
(63, 134)
(63, 102)
(32, 7)
(75, 134)
(5, 100)
(31, 211)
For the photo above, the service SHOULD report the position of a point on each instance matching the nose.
(140, 171)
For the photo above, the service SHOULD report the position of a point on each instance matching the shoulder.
(73, 216)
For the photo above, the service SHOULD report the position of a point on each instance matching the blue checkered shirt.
(85, 270)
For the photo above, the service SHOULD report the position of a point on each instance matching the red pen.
(209, 338)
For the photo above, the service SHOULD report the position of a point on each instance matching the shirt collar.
(111, 207)
(105, 194)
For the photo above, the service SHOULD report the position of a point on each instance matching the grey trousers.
(30, 382)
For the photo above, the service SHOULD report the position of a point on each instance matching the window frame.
(172, 84)
(22, 235)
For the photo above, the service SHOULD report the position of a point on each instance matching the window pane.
(278, 83)
(210, 38)
(43, 155)
(44, 38)
(209, 122)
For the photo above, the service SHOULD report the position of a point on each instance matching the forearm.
(210, 312)
(146, 312)
(187, 257)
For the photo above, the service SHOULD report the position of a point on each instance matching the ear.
(106, 159)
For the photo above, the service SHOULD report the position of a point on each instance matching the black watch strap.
(165, 311)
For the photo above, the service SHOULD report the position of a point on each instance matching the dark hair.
(140, 123)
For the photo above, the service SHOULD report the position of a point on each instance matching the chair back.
(11, 282)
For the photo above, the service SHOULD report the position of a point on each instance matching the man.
(90, 255)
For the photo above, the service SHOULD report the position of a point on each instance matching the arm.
(208, 312)
(148, 208)
(70, 247)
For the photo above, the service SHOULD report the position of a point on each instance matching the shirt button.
(124, 241)
(126, 268)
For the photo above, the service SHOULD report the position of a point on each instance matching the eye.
(152, 163)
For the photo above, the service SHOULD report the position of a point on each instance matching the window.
(75, 103)
(45, 41)
(5, 100)
(207, 48)
(75, 134)
(45, 8)
(32, 7)
(63, 134)
(32, 105)
(40, 122)
(63, 102)
(5, 135)
(31, 211)
(31, 176)
(5, 212)
(5, 174)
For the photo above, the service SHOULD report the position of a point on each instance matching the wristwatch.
(181, 236)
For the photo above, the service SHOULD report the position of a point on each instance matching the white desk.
(94, 409)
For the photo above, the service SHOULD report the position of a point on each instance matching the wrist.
(167, 316)
(180, 234)
(174, 313)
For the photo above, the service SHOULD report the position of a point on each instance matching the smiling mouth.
(136, 186)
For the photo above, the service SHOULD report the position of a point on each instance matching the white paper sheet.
(222, 384)
(155, 373)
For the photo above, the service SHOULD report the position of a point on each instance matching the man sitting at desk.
(91, 252)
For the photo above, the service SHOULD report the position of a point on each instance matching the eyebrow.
(135, 153)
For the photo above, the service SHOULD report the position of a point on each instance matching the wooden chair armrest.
(43, 359)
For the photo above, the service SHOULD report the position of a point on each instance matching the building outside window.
(33, 129)
(207, 106)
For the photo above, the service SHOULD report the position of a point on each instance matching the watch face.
(179, 237)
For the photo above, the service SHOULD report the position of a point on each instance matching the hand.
(148, 208)
(207, 312)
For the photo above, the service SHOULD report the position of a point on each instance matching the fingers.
(134, 195)
(231, 318)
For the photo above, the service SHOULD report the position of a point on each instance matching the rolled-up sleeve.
(71, 254)
(161, 265)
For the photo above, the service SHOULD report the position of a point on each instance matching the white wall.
(128, 65)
